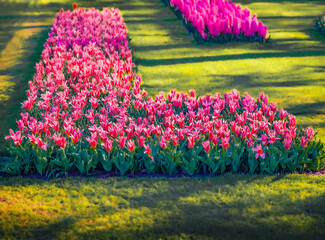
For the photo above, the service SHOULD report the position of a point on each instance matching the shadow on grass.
(211, 220)
(20, 75)
(224, 207)
(308, 109)
(53, 230)
(172, 61)
(251, 81)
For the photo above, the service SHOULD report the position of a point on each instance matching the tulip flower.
(287, 143)
(309, 132)
(15, 137)
(206, 146)
(107, 145)
(225, 142)
(131, 145)
(190, 141)
(259, 151)
(303, 141)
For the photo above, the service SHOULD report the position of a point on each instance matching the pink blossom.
(272, 137)
(225, 142)
(91, 116)
(59, 140)
(292, 121)
(163, 143)
(259, 151)
(287, 143)
(271, 116)
(131, 145)
(15, 137)
(94, 102)
(283, 113)
(141, 141)
(263, 139)
(32, 138)
(250, 142)
(92, 139)
(206, 146)
(309, 132)
(175, 140)
(147, 149)
(76, 135)
(122, 141)
(107, 145)
(303, 142)
(42, 145)
(190, 141)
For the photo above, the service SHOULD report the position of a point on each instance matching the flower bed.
(85, 110)
(218, 20)
(320, 24)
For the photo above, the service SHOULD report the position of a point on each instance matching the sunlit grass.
(11, 54)
(5, 87)
(285, 8)
(231, 205)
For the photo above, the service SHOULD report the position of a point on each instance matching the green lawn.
(290, 69)
(225, 207)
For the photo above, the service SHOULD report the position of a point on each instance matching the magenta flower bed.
(85, 110)
(219, 20)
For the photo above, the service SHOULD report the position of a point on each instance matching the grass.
(225, 207)
(290, 69)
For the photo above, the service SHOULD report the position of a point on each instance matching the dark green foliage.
(174, 159)
(320, 24)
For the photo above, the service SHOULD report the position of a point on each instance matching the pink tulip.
(141, 141)
(163, 143)
(263, 139)
(206, 146)
(225, 142)
(309, 132)
(287, 143)
(303, 142)
(250, 142)
(131, 145)
(92, 139)
(283, 114)
(122, 141)
(292, 121)
(107, 145)
(42, 145)
(259, 152)
(175, 140)
(32, 138)
(147, 150)
(190, 141)
(15, 137)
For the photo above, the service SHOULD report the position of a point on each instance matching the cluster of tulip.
(219, 20)
(85, 110)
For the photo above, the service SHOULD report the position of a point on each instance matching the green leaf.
(274, 162)
(236, 161)
(252, 163)
(121, 164)
(105, 161)
(41, 164)
(209, 162)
